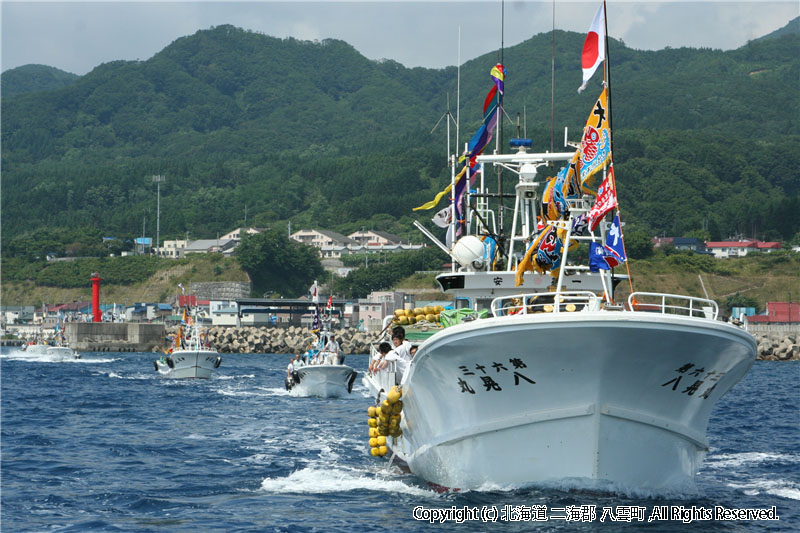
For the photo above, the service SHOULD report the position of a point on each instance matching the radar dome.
(468, 250)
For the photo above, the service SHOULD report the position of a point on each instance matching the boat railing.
(526, 304)
(673, 304)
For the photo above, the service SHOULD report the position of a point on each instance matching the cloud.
(77, 37)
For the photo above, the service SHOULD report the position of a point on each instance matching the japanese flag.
(313, 291)
(594, 48)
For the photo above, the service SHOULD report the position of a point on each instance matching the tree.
(638, 244)
(277, 264)
(737, 300)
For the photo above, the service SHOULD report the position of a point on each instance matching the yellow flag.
(432, 203)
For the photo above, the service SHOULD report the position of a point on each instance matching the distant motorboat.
(322, 374)
(191, 357)
(50, 351)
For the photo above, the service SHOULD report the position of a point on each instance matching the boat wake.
(319, 480)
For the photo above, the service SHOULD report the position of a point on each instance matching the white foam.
(326, 480)
(775, 487)
(734, 460)
(242, 376)
(95, 361)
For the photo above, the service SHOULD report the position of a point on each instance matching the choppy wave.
(320, 480)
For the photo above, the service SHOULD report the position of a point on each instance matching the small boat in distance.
(54, 350)
(192, 356)
(321, 372)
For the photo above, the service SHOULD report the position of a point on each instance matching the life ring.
(217, 362)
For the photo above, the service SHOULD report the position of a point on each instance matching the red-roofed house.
(778, 313)
(726, 249)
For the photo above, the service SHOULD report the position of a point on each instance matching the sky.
(78, 36)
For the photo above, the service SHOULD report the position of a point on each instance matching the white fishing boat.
(50, 351)
(192, 357)
(323, 373)
(562, 384)
(55, 349)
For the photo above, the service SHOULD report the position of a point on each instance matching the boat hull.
(189, 364)
(55, 353)
(616, 401)
(325, 381)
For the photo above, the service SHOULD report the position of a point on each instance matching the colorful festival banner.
(595, 144)
(606, 200)
(543, 255)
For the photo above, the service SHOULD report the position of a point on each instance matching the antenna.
(158, 180)
(449, 115)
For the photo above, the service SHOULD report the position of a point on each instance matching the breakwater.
(777, 347)
(771, 346)
(293, 339)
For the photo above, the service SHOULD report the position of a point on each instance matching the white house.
(374, 237)
(237, 234)
(172, 249)
(727, 249)
(321, 237)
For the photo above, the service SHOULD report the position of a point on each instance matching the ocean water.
(104, 444)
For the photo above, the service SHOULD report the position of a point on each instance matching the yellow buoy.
(430, 317)
(371, 411)
(372, 422)
(399, 312)
(383, 450)
(386, 407)
(570, 307)
(403, 320)
(375, 451)
(395, 431)
(418, 311)
(373, 432)
(394, 395)
(383, 430)
(374, 441)
(381, 441)
(412, 320)
(429, 309)
(397, 408)
(394, 421)
(439, 309)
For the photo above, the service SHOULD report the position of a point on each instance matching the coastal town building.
(238, 233)
(728, 249)
(371, 237)
(334, 245)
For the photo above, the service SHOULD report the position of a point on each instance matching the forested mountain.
(793, 27)
(34, 78)
(316, 134)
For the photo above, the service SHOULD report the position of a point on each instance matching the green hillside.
(314, 133)
(34, 78)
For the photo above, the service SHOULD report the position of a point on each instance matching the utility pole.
(158, 179)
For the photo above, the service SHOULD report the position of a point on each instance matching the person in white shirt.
(377, 359)
(298, 361)
(401, 355)
(333, 351)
